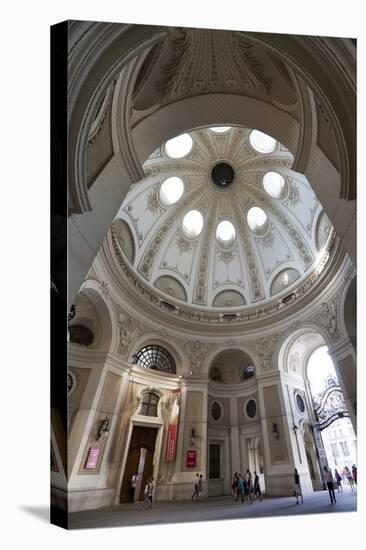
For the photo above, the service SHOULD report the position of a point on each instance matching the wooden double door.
(139, 461)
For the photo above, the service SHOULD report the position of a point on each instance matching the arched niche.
(228, 298)
(96, 316)
(283, 280)
(171, 286)
(232, 366)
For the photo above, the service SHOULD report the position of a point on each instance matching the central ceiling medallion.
(222, 174)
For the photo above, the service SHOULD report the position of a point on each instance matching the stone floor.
(218, 508)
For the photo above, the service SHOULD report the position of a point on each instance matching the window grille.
(156, 358)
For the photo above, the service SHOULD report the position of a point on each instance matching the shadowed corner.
(40, 512)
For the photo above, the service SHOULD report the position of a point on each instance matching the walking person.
(133, 482)
(148, 495)
(297, 487)
(249, 486)
(354, 473)
(234, 484)
(338, 478)
(199, 486)
(349, 477)
(151, 491)
(330, 484)
(195, 487)
(240, 489)
(256, 487)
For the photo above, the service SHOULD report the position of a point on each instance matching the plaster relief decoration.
(129, 330)
(197, 352)
(265, 347)
(327, 317)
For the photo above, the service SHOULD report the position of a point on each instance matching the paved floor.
(218, 508)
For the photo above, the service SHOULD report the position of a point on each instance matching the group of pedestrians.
(347, 475)
(330, 481)
(245, 487)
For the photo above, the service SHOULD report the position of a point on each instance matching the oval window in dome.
(171, 191)
(256, 218)
(179, 146)
(274, 184)
(261, 142)
(192, 224)
(225, 233)
(220, 129)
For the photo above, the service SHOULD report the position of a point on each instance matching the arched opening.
(332, 416)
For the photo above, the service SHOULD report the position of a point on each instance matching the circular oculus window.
(220, 129)
(261, 142)
(274, 184)
(179, 146)
(192, 224)
(225, 234)
(300, 403)
(256, 219)
(171, 190)
(251, 408)
(216, 411)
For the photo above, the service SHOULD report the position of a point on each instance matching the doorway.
(140, 460)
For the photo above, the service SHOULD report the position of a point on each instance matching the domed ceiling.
(221, 221)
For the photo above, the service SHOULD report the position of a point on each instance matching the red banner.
(191, 459)
(171, 444)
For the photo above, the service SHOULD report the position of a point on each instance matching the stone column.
(234, 436)
(283, 447)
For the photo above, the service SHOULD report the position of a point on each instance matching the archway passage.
(139, 462)
(338, 436)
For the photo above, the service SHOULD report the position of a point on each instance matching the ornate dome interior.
(221, 221)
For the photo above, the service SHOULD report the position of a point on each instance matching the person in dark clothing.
(338, 479)
(354, 473)
(240, 489)
(234, 485)
(133, 483)
(256, 487)
(249, 486)
(328, 478)
(297, 487)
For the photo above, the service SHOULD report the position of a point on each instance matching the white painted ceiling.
(253, 267)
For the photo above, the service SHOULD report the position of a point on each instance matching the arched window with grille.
(155, 357)
(149, 405)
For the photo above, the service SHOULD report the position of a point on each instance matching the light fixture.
(275, 432)
(193, 436)
(295, 428)
(103, 428)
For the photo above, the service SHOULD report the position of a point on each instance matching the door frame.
(147, 422)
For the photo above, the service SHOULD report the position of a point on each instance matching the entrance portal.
(139, 461)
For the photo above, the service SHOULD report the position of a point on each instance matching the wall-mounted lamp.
(71, 313)
(103, 428)
(275, 432)
(193, 436)
(295, 428)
